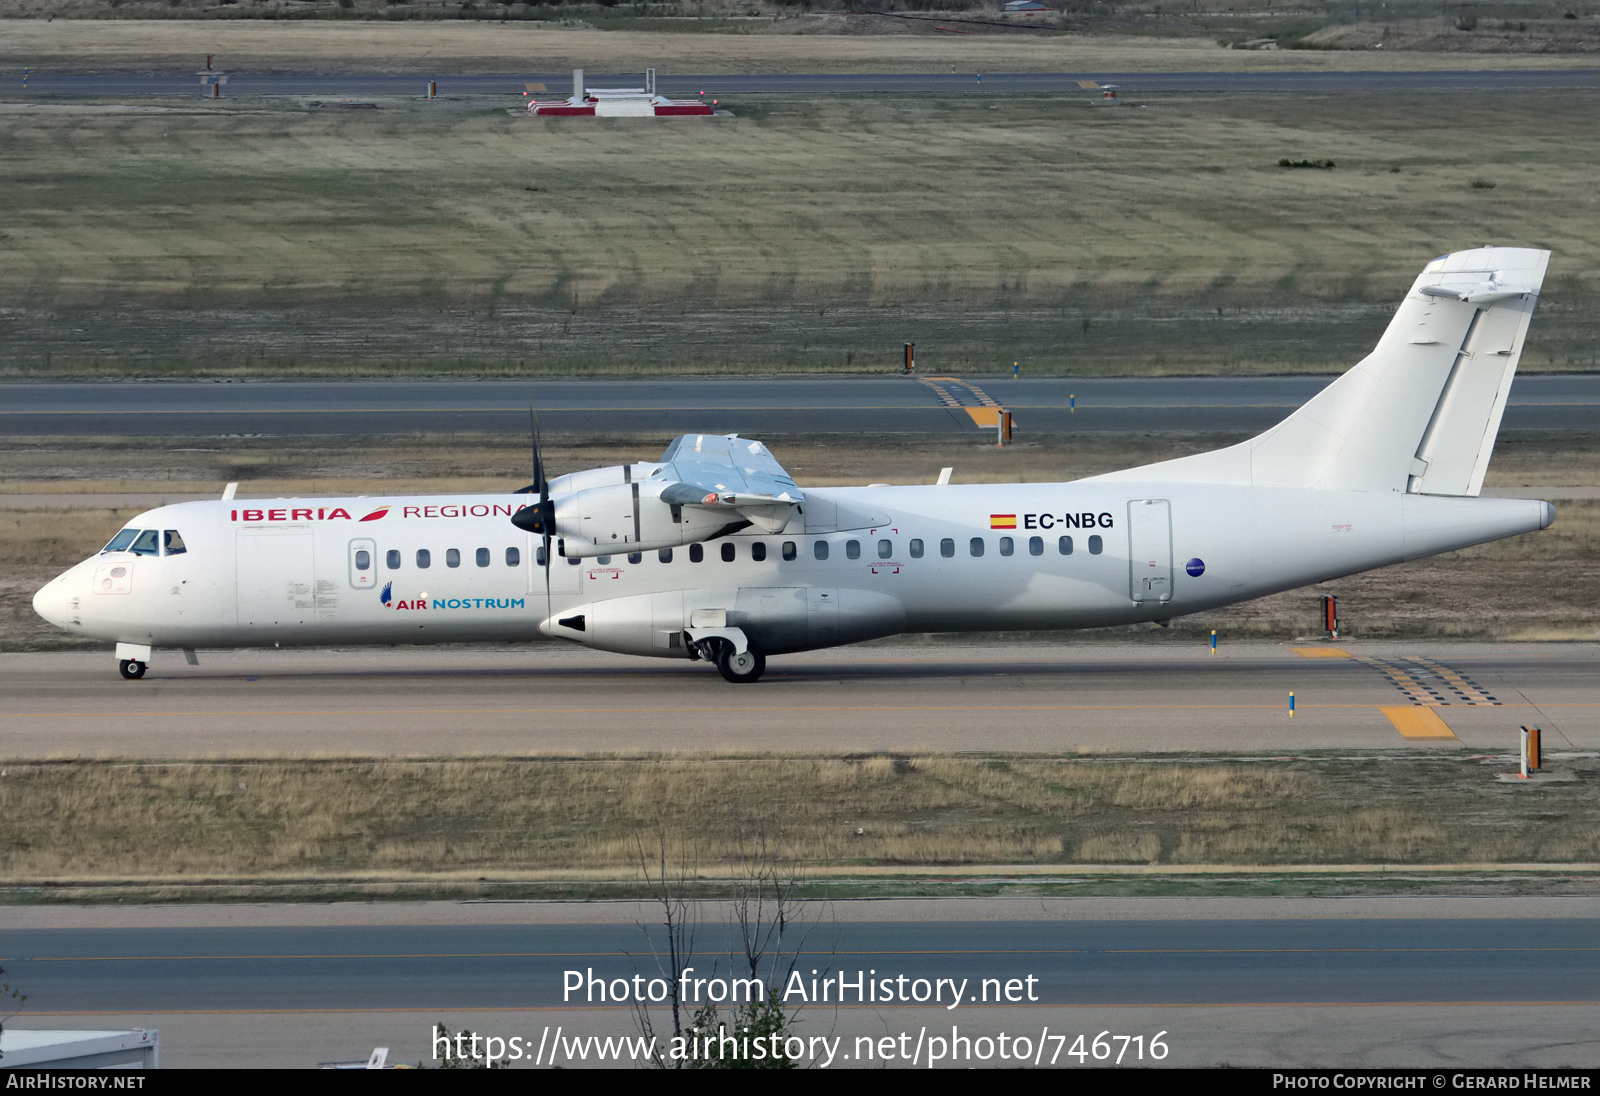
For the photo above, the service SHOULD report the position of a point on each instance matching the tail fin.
(1420, 413)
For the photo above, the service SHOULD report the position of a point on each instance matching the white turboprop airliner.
(714, 553)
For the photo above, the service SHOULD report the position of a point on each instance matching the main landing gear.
(738, 668)
(732, 665)
(132, 668)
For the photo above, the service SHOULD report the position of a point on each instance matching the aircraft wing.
(727, 472)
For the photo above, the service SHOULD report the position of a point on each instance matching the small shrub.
(1323, 165)
(1482, 184)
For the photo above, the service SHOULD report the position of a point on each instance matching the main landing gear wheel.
(740, 669)
(133, 669)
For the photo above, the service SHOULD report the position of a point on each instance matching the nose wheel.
(133, 669)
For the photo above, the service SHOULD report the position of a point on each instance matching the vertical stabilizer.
(1420, 413)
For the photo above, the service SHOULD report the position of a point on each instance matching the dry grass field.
(505, 819)
(1542, 586)
(779, 41)
(269, 238)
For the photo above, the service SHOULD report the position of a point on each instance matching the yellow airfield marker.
(1416, 722)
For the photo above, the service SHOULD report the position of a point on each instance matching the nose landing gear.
(133, 659)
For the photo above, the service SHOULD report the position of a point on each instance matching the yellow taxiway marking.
(983, 416)
(1418, 722)
(1321, 652)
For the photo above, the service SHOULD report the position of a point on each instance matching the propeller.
(541, 516)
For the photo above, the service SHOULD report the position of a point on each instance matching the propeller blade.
(543, 516)
(540, 484)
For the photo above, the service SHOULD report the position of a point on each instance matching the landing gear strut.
(740, 669)
(132, 668)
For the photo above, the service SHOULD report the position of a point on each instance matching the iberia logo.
(376, 514)
(1002, 521)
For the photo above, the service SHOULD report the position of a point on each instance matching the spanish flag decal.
(1002, 521)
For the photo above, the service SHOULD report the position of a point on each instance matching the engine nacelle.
(776, 620)
(574, 482)
(630, 517)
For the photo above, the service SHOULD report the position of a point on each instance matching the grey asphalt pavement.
(1373, 983)
(44, 84)
(549, 697)
(754, 406)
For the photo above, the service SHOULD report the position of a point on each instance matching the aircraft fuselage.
(855, 564)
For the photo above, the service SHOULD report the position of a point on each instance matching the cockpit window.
(172, 543)
(120, 542)
(147, 543)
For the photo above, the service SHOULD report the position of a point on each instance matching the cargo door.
(1150, 550)
(276, 579)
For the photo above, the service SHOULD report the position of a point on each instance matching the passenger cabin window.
(947, 548)
(635, 557)
(665, 555)
(1096, 545)
(538, 556)
(852, 549)
(758, 551)
(820, 549)
(602, 560)
(482, 557)
(1064, 545)
(172, 544)
(513, 557)
(916, 549)
(1007, 546)
(424, 557)
(789, 551)
(391, 559)
(885, 549)
(1036, 546)
(697, 552)
(363, 559)
(975, 546)
(120, 542)
(727, 551)
(146, 544)
(452, 557)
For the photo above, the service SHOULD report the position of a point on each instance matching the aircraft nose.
(51, 602)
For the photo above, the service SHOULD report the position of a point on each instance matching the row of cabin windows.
(452, 558)
(820, 550)
(788, 550)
